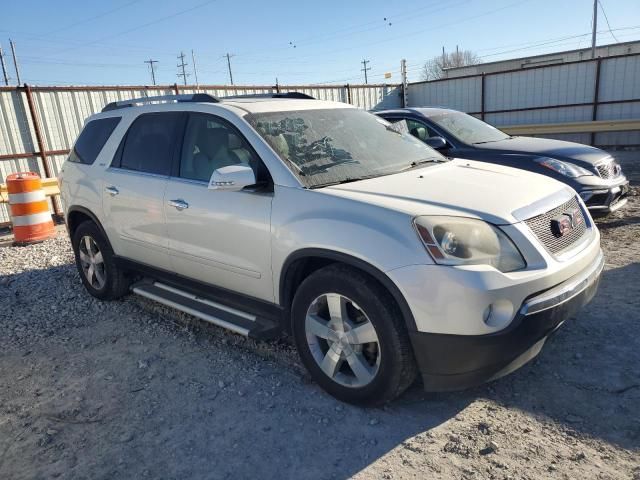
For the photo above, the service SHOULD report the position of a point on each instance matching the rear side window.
(151, 142)
(91, 140)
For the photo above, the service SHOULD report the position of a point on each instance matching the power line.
(365, 69)
(184, 73)
(46, 61)
(357, 29)
(95, 17)
(152, 68)
(422, 31)
(138, 27)
(607, 20)
(229, 66)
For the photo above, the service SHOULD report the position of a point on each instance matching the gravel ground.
(130, 389)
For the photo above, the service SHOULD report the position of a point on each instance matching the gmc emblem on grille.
(563, 224)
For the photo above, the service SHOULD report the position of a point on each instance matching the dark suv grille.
(543, 229)
(609, 169)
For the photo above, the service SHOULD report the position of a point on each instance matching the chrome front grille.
(542, 227)
(610, 169)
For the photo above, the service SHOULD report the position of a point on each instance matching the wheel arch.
(77, 214)
(302, 263)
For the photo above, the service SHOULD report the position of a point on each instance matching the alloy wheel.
(342, 340)
(92, 262)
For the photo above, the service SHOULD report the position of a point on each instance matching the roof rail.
(292, 95)
(195, 97)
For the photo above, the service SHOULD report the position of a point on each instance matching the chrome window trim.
(139, 173)
(189, 181)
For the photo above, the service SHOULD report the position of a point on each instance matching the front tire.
(95, 262)
(352, 337)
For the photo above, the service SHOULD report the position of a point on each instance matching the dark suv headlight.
(563, 168)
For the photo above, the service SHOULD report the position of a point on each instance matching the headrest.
(419, 132)
(211, 140)
(234, 142)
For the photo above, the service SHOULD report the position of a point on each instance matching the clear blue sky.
(89, 42)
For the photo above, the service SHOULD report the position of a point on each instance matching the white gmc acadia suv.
(281, 213)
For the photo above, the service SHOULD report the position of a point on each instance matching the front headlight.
(563, 168)
(468, 241)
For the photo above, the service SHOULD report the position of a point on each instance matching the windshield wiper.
(349, 180)
(417, 163)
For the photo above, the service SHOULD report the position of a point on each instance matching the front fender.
(368, 234)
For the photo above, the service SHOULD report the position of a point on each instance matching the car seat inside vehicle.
(419, 132)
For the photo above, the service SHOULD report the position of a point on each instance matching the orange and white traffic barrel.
(29, 209)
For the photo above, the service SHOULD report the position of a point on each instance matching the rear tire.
(351, 336)
(96, 265)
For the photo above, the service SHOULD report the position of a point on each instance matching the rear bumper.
(606, 199)
(453, 362)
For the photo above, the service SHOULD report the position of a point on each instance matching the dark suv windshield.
(468, 129)
(329, 146)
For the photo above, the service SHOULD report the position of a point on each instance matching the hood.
(459, 188)
(549, 148)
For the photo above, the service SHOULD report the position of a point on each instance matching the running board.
(230, 318)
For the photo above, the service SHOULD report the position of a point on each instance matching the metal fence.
(38, 125)
(601, 89)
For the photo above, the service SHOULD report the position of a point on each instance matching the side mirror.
(232, 178)
(437, 143)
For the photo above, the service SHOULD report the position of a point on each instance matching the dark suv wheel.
(351, 336)
(94, 259)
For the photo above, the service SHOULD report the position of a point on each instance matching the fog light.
(498, 314)
(586, 195)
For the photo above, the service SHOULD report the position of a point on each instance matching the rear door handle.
(178, 204)
(111, 190)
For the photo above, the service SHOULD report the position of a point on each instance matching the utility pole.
(4, 68)
(184, 73)
(195, 69)
(403, 74)
(595, 27)
(444, 59)
(15, 62)
(153, 69)
(365, 69)
(229, 66)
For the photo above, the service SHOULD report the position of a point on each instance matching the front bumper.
(605, 199)
(453, 362)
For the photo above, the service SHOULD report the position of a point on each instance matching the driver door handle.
(111, 190)
(178, 204)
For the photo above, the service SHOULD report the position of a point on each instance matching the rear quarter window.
(91, 140)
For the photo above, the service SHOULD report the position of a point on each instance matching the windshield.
(329, 146)
(468, 129)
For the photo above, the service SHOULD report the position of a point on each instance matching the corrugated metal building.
(555, 58)
(580, 91)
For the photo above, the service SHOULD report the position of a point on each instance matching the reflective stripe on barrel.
(29, 208)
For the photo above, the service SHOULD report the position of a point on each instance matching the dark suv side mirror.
(437, 143)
